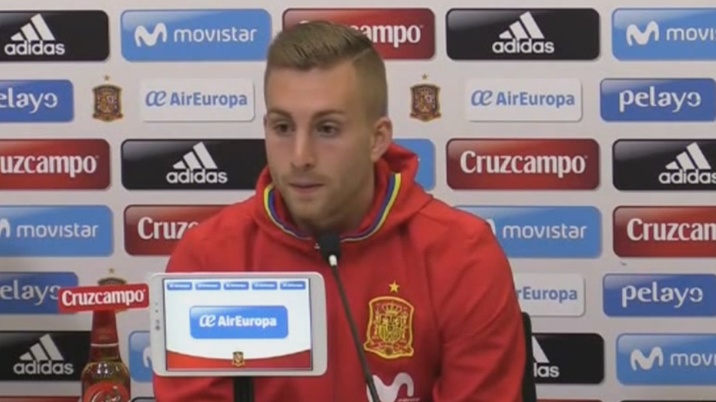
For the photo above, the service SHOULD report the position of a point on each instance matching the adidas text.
(44, 368)
(35, 49)
(683, 177)
(524, 46)
(546, 371)
(197, 177)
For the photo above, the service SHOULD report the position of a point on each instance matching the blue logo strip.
(664, 34)
(196, 35)
(662, 295)
(40, 101)
(33, 292)
(666, 359)
(140, 363)
(56, 231)
(544, 232)
(239, 322)
(663, 100)
(426, 160)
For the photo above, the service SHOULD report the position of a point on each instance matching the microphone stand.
(243, 389)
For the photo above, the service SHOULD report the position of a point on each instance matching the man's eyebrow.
(320, 114)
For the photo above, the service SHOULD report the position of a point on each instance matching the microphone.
(330, 248)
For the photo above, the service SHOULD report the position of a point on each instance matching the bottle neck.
(104, 341)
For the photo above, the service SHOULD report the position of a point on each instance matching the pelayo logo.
(660, 295)
(36, 101)
(652, 99)
(33, 292)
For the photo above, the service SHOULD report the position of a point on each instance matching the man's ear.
(382, 138)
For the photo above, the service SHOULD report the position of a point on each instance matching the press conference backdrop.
(585, 136)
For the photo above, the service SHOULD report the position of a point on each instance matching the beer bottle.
(105, 377)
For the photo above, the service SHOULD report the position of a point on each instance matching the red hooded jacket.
(465, 337)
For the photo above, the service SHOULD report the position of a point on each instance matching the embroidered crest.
(425, 105)
(390, 326)
(107, 102)
(238, 359)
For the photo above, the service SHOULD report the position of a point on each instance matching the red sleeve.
(483, 351)
(190, 389)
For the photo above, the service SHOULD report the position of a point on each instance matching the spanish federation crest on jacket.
(390, 326)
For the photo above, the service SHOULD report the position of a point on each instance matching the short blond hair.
(323, 44)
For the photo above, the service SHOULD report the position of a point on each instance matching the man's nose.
(304, 156)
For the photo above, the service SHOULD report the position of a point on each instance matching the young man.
(453, 330)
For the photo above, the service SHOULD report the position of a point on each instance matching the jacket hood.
(397, 199)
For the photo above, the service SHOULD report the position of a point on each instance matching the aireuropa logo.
(425, 150)
(522, 164)
(664, 33)
(42, 164)
(664, 165)
(665, 231)
(544, 231)
(140, 357)
(197, 100)
(54, 35)
(192, 164)
(33, 292)
(655, 99)
(522, 34)
(55, 231)
(195, 35)
(397, 33)
(523, 100)
(156, 229)
(659, 295)
(36, 101)
(568, 358)
(43, 356)
(550, 295)
(666, 359)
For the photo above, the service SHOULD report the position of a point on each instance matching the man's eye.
(328, 129)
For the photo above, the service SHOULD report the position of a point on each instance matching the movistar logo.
(634, 34)
(644, 362)
(142, 35)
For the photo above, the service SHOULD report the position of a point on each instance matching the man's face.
(319, 141)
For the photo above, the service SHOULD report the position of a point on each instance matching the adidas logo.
(523, 36)
(689, 167)
(197, 167)
(542, 366)
(34, 39)
(43, 358)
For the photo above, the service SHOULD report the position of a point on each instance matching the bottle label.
(106, 392)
